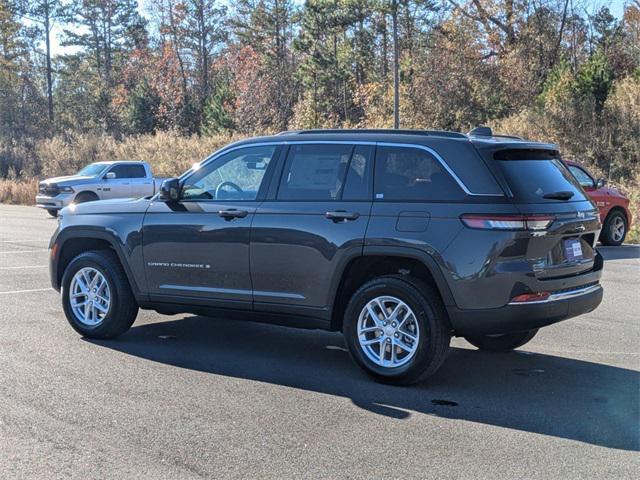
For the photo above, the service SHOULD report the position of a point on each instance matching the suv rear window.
(533, 175)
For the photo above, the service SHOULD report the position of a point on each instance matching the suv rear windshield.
(538, 176)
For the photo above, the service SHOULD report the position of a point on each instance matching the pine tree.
(106, 32)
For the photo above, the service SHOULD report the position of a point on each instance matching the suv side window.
(237, 175)
(583, 177)
(413, 174)
(314, 172)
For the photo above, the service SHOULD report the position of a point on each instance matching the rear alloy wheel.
(614, 229)
(504, 342)
(397, 330)
(388, 331)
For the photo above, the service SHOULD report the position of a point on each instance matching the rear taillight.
(507, 222)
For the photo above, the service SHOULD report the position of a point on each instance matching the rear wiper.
(563, 195)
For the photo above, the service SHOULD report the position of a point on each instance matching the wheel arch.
(73, 241)
(378, 261)
(87, 192)
(618, 208)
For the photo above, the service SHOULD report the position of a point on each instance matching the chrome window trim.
(444, 164)
(436, 155)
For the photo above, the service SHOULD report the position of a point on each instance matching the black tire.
(84, 197)
(123, 308)
(502, 343)
(610, 234)
(53, 212)
(433, 322)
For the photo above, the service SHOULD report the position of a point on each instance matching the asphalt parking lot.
(191, 397)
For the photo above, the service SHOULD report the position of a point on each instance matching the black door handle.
(341, 216)
(230, 214)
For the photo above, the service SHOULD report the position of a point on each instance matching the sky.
(616, 7)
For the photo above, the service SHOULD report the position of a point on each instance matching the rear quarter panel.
(464, 257)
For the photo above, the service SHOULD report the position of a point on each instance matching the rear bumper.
(570, 297)
(526, 316)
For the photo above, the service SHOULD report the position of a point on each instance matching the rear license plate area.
(573, 249)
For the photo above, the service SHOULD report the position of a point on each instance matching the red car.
(613, 206)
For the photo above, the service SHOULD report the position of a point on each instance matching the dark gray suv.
(399, 239)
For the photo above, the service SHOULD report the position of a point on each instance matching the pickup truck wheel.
(96, 296)
(53, 212)
(502, 343)
(397, 329)
(84, 197)
(614, 229)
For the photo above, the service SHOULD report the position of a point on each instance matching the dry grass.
(19, 192)
(168, 153)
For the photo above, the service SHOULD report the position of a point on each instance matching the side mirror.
(601, 182)
(170, 190)
(110, 176)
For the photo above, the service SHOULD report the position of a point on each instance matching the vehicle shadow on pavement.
(623, 252)
(548, 395)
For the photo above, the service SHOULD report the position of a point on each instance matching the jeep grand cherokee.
(399, 239)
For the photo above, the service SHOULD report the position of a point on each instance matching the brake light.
(507, 222)
(530, 297)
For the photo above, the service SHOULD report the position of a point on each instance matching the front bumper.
(54, 203)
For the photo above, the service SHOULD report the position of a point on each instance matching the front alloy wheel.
(96, 295)
(614, 229)
(90, 296)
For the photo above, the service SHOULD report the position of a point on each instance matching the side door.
(141, 183)
(416, 201)
(312, 224)
(117, 187)
(196, 249)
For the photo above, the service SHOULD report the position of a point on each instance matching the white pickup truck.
(98, 181)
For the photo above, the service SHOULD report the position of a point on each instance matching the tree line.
(555, 70)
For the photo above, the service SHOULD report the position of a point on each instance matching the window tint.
(530, 180)
(121, 171)
(582, 176)
(314, 172)
(412, 174)
(129, 171)
(237, 175)
(136, 171)
(358, 183)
